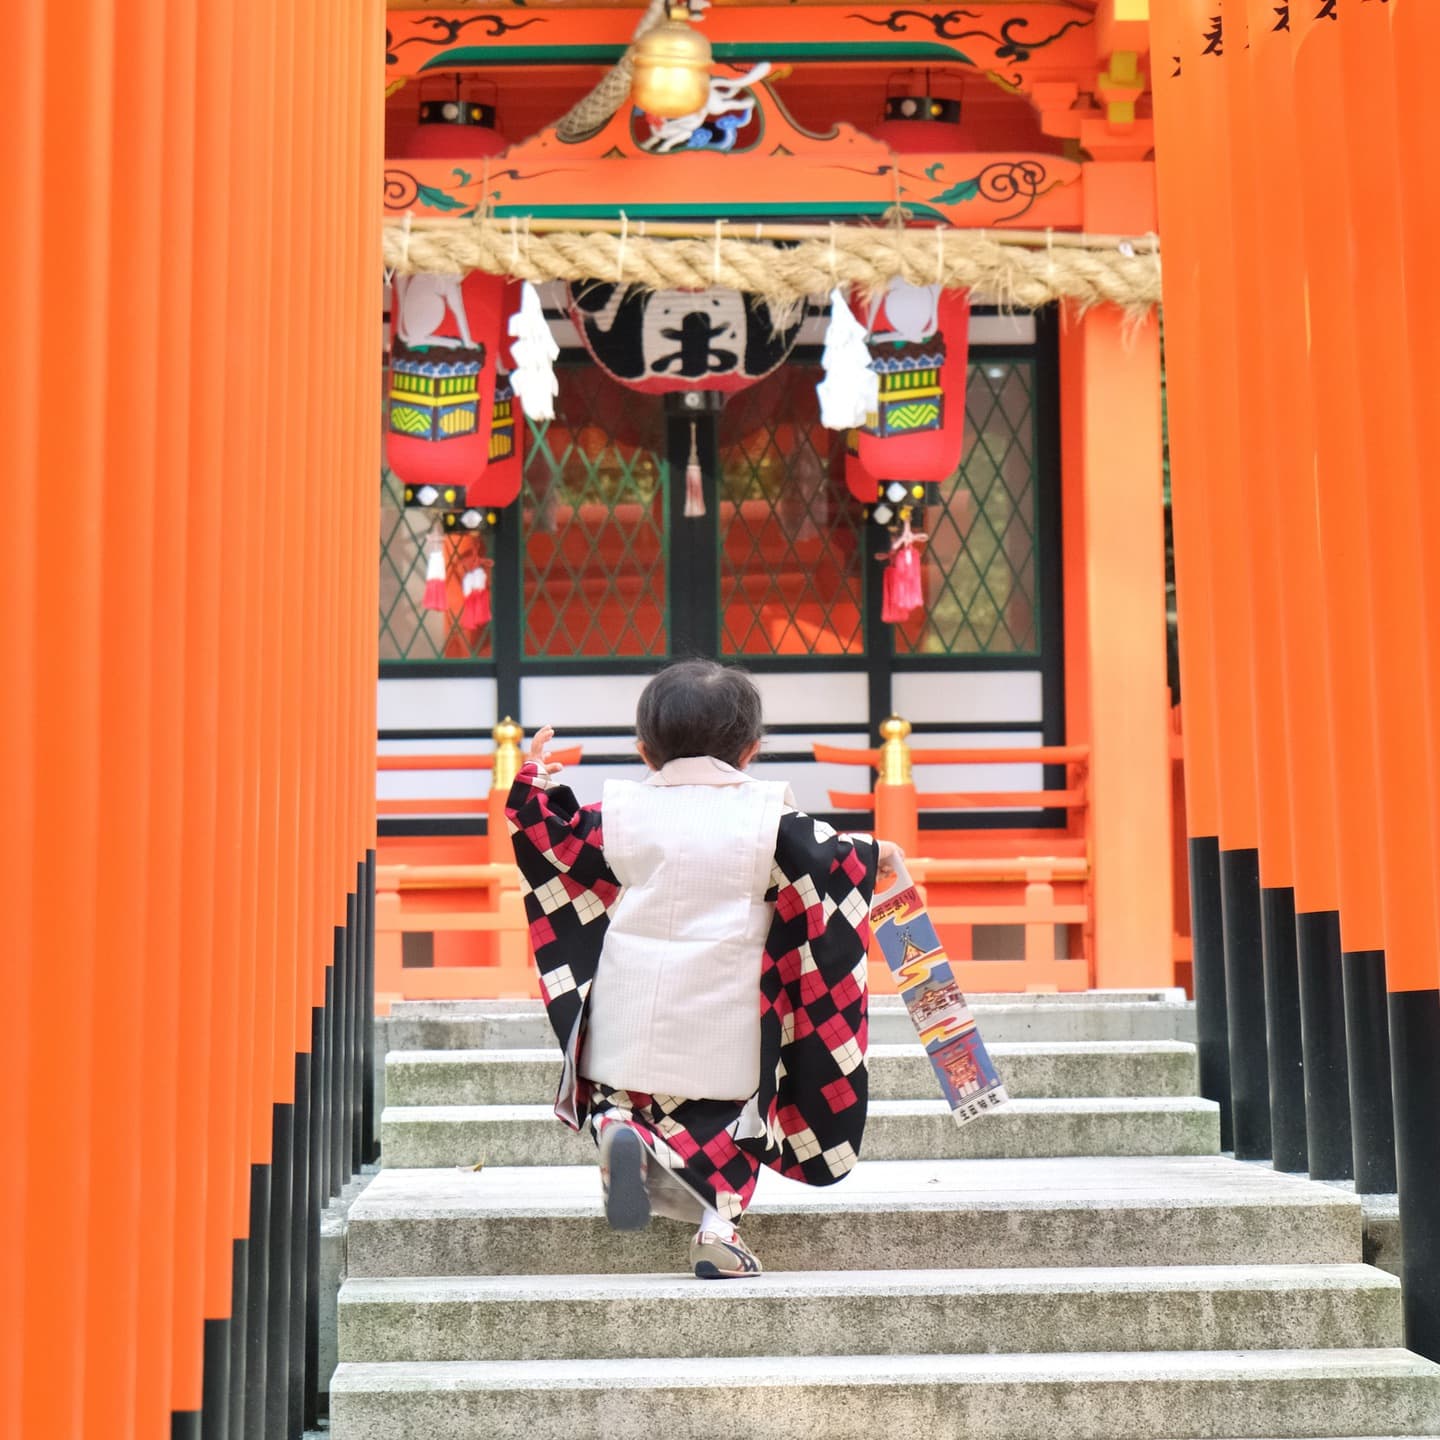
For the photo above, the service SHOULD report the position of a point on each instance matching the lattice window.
(407, 630)
(980, 567)
(789, 532)
(594, 517)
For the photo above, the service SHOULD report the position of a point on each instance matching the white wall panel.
(450, 703)
(969, 697)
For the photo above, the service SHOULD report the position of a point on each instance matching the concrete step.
(925, 1312)
(1119, 1396)
(900, 1215)
(1057, 1070)
(420, 1136)
(521, 1024)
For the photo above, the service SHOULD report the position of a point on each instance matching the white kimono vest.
(675, 1006)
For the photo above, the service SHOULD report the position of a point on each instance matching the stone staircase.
(1083, 1264)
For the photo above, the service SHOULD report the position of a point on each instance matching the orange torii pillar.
(1395, 179)
(1192, 141)
(1286, 565)
(1110, 367)
(1182, 228)
(1333, 490)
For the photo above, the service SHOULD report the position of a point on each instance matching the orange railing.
(1036, 891)
(462, 805)
(429, 899)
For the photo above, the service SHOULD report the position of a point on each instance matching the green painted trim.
(875, 51)
(681, 212)
(463, 55)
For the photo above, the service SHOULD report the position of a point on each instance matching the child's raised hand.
(886, 869)
(540, 750)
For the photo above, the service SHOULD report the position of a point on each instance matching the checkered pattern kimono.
(808, 1116)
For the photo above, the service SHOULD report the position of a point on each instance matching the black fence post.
(1207, 948)
(369, 1146)
(1367, 1047)
(1285, 1050)
(302, 1240)
(315, 1203)
(1245, 997)
(1327, 1072)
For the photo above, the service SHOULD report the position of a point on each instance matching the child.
(702, 951)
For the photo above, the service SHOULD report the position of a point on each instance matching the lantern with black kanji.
(662, 341)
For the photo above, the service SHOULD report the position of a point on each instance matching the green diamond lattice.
(407, 630)
(980, 572)
(789, 532)
(595, 521)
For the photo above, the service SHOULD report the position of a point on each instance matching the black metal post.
(370, 1144)
(257, 1317)
(315, 1202)
(1415, 1072)
(239, 1336)
(338, 1047)
(215, 1392)
(277, 1341)
(1327, 1072)
(1282, 1030)
(1207, 948)
(302, 1240)
(184, 1425)
(1367, 1045)
(331, 991)
(1245, 995)
(357, 1022)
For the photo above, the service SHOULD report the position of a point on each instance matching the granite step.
(1108, 1396)
(422, 1136)
(521, 1024)
(901, 1215)
(908, 1312)
(1032, 1071)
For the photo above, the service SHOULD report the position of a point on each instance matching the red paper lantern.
(443, 357)
(920, 339)
(448, 336)
(500, 484)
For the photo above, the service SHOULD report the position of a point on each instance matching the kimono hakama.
(806, 1115)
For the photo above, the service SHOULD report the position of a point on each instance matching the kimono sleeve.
(814, 1004)
(568, 889)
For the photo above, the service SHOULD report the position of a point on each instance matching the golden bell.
(671, 70)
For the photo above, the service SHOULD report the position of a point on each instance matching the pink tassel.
(903, 592)
(435, 594)
(694, 481)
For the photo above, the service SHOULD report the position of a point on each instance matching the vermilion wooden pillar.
(1281, 417)
(1183, 226)
(1395, 181)
(1115, 364)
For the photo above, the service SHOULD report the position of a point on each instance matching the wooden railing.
(966, 892)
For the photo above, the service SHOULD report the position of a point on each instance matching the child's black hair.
(697, 707)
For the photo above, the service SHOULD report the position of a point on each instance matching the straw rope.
(1023, 275)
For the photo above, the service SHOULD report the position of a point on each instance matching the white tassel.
(850, 392)
(534, 353)
(694, 481)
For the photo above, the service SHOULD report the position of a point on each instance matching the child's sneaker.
(713, 1257)
(622, 1171)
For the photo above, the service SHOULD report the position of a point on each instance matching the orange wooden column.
(21, 175)
(1395, 185)
(1182, 226)
(1338, 494)
(71, 55)
(1252, 506)
(1287, 569)
(1115, 364)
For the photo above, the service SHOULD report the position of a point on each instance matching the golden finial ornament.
(894, 752)
(507, 736)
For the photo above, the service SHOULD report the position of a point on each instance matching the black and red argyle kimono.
(807, 1118)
